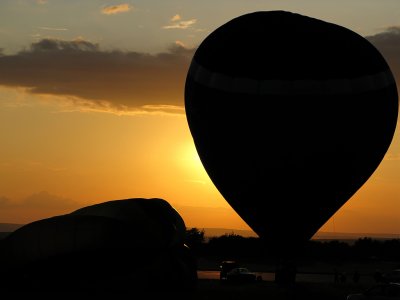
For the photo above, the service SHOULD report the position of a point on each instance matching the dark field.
(214, 289)
(314, 280)
(321, 286)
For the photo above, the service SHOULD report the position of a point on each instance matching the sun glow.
(191, 162)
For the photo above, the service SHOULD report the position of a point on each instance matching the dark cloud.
(34, 207)
(5, 202)
(122, 81)
(388, 43)
(49, 46)
(79, 68)
(45, 200)
(41, 200)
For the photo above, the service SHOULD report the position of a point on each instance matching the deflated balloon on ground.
(122, 244)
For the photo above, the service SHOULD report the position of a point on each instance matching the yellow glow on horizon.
(191, 162)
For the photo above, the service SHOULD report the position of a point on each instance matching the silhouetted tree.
(391, 249)
(236, 247)
(367, 248)
(195, 239)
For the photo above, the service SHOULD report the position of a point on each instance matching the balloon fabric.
(290, 116)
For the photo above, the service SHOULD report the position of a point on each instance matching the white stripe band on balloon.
(342, 86)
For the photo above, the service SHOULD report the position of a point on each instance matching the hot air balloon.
(117, 245)
(290, 116)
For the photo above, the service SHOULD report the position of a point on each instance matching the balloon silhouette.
(136, 244)
(290, 116)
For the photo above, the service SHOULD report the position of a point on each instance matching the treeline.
(237, 247)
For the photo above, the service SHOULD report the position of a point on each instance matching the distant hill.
(9, 227)
(6, 228)
(215, 232)
(353, 236)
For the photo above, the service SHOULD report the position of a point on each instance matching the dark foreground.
(212, 289)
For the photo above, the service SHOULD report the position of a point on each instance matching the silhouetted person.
(343, 277)
(378, 276)
(336, 276)
(286, 273)
(356, 277)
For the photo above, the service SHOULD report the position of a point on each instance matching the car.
(241, 275)
(392, 276)
(225, 267)
(382, 291)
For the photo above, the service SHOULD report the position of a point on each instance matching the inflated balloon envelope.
(290, 116)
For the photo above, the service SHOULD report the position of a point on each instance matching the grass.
(214, 289)
(128, 288)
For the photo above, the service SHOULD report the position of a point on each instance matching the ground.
(214, 289)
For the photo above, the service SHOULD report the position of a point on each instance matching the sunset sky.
(92, 107)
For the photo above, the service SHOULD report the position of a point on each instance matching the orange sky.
(92, 110)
